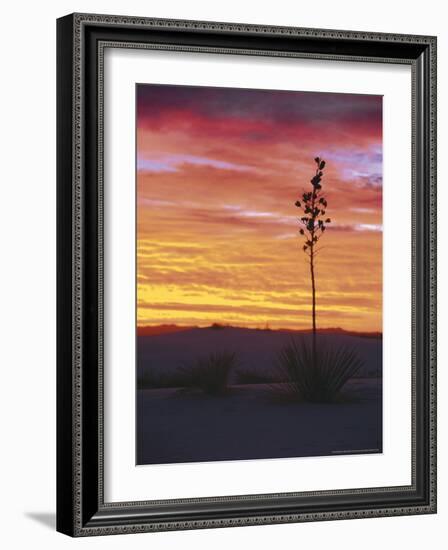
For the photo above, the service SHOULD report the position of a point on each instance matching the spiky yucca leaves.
(317, 378)
(210, 374)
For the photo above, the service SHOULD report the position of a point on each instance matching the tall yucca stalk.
(312, 226)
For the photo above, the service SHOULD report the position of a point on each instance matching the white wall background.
(27, 289)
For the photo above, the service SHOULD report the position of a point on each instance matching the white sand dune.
(247, 424)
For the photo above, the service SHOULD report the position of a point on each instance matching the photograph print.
(258, 274)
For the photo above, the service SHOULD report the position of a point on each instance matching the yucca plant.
(315, 375)
(210, 374)
(313, 224)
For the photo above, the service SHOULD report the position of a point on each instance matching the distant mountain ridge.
(171, 329)
(161, 329)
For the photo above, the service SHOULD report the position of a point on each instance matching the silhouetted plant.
(313, 225)
(210, 374)
(315, 375)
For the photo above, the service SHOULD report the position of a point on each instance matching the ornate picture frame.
(82, 509)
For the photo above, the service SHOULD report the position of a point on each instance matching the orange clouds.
(218, 175)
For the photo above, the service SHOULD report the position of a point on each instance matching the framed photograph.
(246, 274)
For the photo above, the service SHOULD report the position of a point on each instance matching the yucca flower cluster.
(314, 206)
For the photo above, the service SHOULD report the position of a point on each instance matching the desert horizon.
(153, 330)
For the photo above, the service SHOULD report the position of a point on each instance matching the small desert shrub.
(148, 380)
(315, 379)
(210, 374)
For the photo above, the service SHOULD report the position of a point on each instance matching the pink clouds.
(219, 171)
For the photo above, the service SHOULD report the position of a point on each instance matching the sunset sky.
(218, 173)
